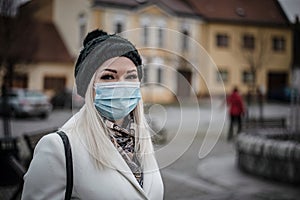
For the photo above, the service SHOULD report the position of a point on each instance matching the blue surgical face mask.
(115, 100)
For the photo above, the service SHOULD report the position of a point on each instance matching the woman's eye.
(132, 76)
(107, 77)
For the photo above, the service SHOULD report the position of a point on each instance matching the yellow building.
(50, 65)
(162, 34)
(189, 48)
(247, 40)
(246, 44)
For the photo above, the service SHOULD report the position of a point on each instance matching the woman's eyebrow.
(111, 70)
(129, 71)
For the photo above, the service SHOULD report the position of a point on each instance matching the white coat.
(46, 177)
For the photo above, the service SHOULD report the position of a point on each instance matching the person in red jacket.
(236, 111)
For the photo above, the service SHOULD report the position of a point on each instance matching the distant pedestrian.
(113, 156)
(236, 111)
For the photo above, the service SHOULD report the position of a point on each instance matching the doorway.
(184, 79)
(277, 86)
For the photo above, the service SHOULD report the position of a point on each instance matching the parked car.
(24, 102)
(66, 99)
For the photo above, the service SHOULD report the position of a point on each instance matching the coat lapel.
(122, 167)
(150, 169)
(148, 180)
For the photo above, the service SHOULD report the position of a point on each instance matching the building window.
(160, 37)
(145, 74)
(56, 84)
(118, 27)
(157, 64)
(278, 44)
(146, 35)
(247, 77)
(222, 76)
(20, 81)
(248, 42)
(185, 43)
(222, 40)
(82, 23)
(159, 75)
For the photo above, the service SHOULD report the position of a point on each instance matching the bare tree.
(17, 45)
(255, 54)
(256, 57)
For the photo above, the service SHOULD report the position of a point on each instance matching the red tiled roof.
(242, 11)
(259, 11)
(177, 7)
(255, 11)
(132, 3)
(34, 41)
(117, 3)
(50, 46)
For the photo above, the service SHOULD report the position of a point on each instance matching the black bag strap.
(69, 164)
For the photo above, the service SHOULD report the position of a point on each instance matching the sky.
(291, 8)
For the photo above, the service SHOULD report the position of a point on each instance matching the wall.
(154, 56)
(37, 72)
(66, 18)
(233, 57)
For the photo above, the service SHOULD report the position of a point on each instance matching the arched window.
(185, 42)
(160, 37)
(146, 35)
(118, 27)
(161, 24)
(158, 65)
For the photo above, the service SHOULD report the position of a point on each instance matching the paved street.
(216, 176)
(26, 125)
(185, 175)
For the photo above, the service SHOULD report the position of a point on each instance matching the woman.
(111, 147)
(236, 111)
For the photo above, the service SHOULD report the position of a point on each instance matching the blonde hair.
(90, 127)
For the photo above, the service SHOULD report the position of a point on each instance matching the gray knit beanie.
(99, 47)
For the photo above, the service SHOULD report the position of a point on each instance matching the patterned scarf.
(124, 141)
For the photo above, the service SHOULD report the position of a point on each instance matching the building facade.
(189, 48)
(251, 47)
(161, 33)
(49, 66)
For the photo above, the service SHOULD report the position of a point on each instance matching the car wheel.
(44, 116)
(13, 113)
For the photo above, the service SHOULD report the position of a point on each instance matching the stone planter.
(270, 153)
